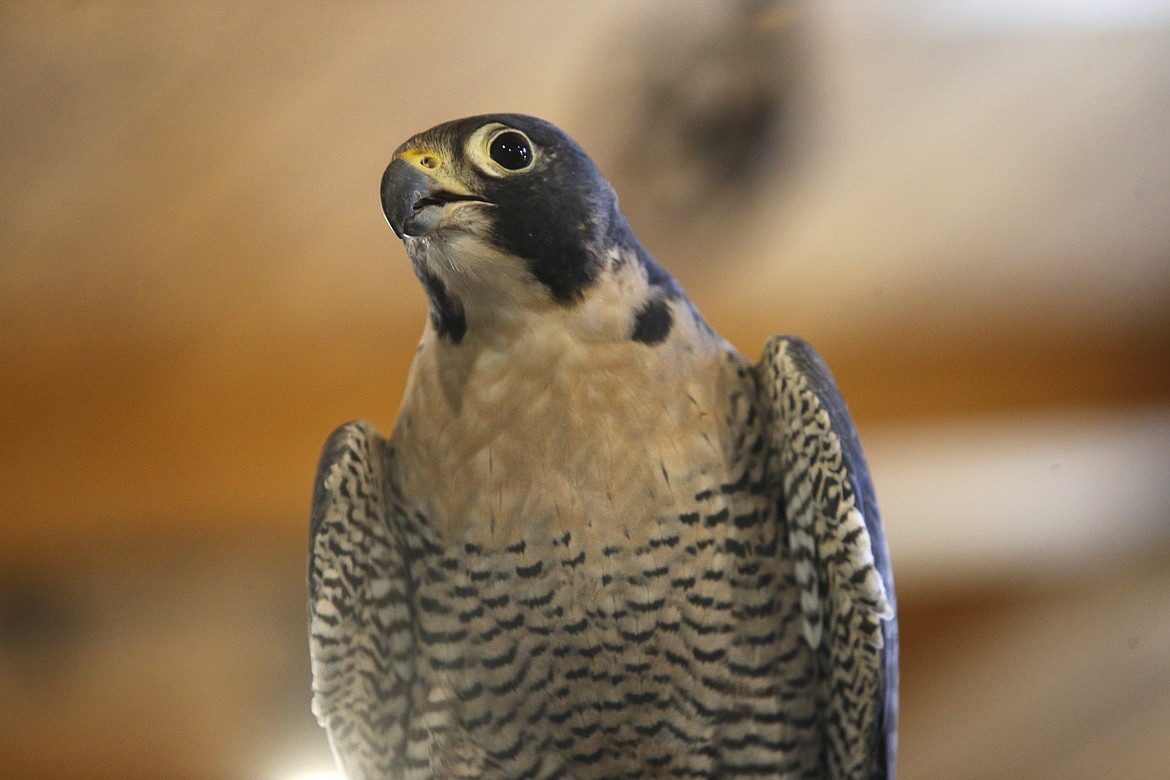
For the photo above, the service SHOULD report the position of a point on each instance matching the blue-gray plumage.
(600, 543)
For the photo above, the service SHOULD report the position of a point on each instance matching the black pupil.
(511, 150)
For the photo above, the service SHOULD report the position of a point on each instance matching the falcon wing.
(361, 632)
(842, 566)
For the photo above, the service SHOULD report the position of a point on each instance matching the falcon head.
(504, 213)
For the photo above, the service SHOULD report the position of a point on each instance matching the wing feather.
(361, 633)
(841, 562)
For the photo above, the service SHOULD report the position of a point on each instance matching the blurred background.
(964, 205)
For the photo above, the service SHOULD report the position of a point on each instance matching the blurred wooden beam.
(994, 369)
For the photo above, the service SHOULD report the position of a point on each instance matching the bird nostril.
(429, 162)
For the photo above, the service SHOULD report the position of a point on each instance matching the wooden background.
(966, 212)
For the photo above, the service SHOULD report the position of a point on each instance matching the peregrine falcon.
(599, 543)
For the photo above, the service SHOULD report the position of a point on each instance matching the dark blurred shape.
(711, 119)
(40, 626)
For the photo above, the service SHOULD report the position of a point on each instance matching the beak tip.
(397, 229)
(395, 198)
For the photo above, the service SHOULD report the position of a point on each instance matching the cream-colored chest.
(541, 434)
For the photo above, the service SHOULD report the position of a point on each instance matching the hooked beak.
(416, 202)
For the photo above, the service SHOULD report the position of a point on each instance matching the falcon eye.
(511, 150)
